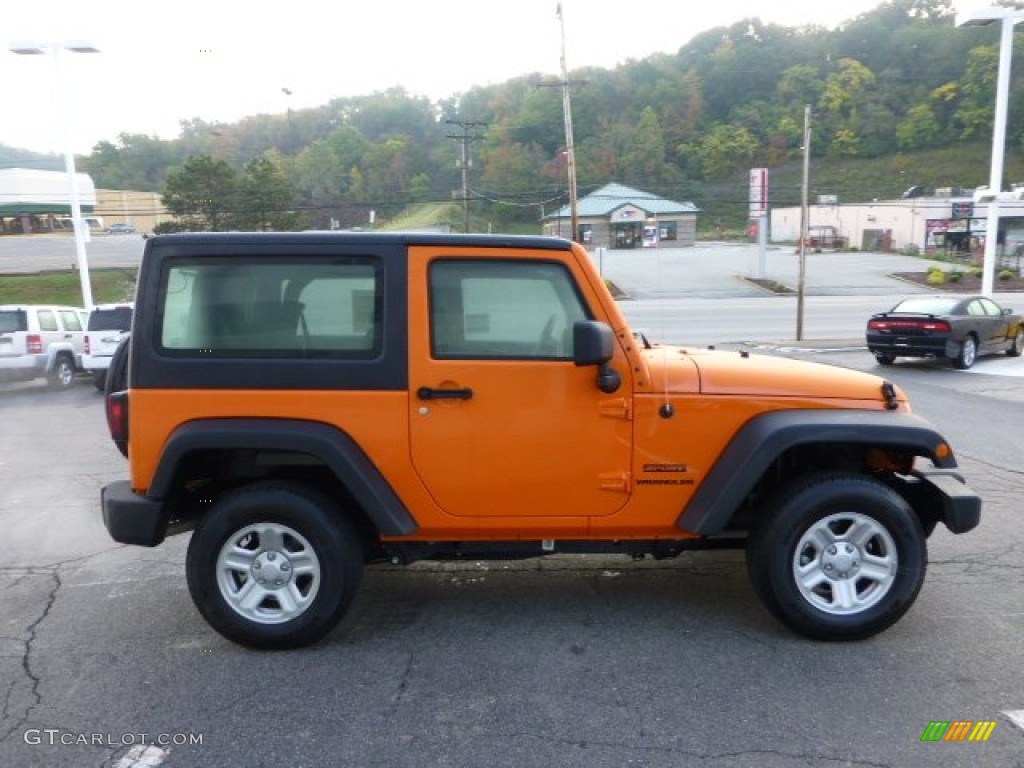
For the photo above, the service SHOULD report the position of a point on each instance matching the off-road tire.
(62, 375)
(252, 532)
(116, 378)
(837, 596)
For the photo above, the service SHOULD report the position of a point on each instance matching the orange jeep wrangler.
(309, 403)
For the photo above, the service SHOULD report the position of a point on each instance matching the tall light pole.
(805, 189)
(77, 222)
(570, 150)
(1008, 17)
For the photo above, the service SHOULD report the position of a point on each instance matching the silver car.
(41, 341)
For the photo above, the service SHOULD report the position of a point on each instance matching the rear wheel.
(274, 566)
(837, 557)
(968, 353)
(62, 375)
(884, 358)
(99, 380)
(1017, 343)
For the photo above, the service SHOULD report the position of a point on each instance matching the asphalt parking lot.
(568, 661)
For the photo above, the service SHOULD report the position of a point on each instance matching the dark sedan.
(955, 327)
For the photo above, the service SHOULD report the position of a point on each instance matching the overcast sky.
(220, 60)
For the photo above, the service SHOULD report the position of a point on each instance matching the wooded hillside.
(891, 90)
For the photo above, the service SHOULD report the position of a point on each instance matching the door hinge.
(619, 408)
(614, 481)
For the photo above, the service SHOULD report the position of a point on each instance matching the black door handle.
(426, 393)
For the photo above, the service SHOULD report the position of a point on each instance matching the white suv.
(108, 325)
(41, 341)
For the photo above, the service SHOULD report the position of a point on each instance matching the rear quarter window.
(271, 308)
(13, 320)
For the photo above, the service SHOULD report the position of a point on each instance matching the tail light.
(34, 344)
(117, 419)
(86, 346)
(902, 326)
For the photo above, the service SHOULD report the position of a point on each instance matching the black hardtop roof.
(226, 242)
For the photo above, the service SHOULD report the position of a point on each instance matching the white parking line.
(993, 366)
(141, 756)
(1016, 717)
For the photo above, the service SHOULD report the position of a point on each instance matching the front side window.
(230, 308)
(991, 308)
(503, 309)
(72, 322)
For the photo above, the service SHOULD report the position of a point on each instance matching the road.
(35, 253)
(697, 321)
(568, 661)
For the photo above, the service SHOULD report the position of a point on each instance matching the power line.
(468, 136)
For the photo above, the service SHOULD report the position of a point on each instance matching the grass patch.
(108, 285)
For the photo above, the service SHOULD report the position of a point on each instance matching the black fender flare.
(334, 447)
(767, 436)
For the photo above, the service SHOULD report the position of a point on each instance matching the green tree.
(844, 98)
(974, 113)
(265, 197)
(319, 178)
(724, 149)
(202, 193)
(645, 156)
(919, 128)
(134, 161)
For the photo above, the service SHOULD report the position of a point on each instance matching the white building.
(941, 222)
(34, 201)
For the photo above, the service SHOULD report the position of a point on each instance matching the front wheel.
(968, 353)
(1017, 343)
(274, 565)
(838, 557)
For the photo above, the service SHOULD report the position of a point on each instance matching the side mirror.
(593, 343)
(1007, 311)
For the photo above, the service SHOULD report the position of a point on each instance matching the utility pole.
(804, 224)
(469, 134)
(570, 145)
(570, 149)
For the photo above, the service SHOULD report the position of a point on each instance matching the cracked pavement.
(568, 661)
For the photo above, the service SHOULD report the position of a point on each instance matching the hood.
(688, 369)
